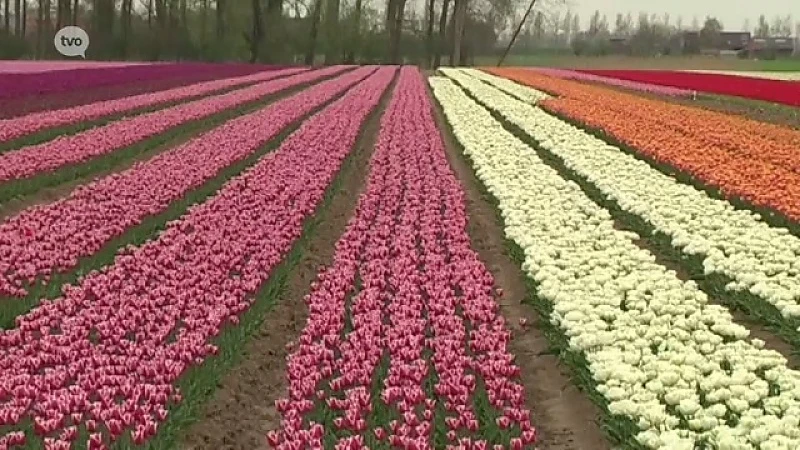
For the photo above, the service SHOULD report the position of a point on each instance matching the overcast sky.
(732, 13)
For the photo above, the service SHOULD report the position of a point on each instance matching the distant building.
(771, 47)
(727, 42)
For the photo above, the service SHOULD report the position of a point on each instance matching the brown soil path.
(242, 410)
(564, 418)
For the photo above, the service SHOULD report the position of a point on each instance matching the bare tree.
(220, 19)
(395, 26)
(332, 52)
(459, 17)
(18, 18)
(313, 32)
(429, 43)
(437, 60)
(7, 16)
(355, 36)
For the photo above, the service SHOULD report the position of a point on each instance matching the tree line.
(266, 31)
(644, 35)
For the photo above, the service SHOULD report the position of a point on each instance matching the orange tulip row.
(718, 149)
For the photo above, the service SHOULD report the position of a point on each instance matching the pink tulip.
(52, 238)
(127, 333)
(95, 142)
(425, 304)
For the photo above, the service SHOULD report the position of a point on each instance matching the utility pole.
(516, 33)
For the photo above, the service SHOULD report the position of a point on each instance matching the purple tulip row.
(108, 353)
(21, 84)
(49, 66)
(68, 150)
(19, 106)
(32, 123)
(633, 85)
(407, 293)
(52, 238)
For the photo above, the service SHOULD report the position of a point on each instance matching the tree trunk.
(17, 18)
(460, 16)
(59, 13)
(75, 12)
(220, 19)
(254, 39)
(332, 38)
(127, 7)
(7, 16)
(39, 28)
(149, 14)
(204, 24)
(313, 32)
(395, 27)
(429, 34)
(440, 44)
(24, 25)
(48, 28)
(184, 21)
(355, 40)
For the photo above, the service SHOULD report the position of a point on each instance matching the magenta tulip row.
(108, 353)
(28, 104)
(32, 123)
(50, 66)
(51, 238)
(16, 85)
(68, 150)
(633, 85)
(407, 293)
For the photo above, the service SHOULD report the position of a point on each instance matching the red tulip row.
(52, 238)
(404, 344)
(68, 150)
(32, 123)
(106, 356)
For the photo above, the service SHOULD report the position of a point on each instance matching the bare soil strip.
(565, 419)
(242, 409)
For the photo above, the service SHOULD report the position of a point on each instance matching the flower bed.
(116, 345)
(53, 238)
(777, 91)
(404, 345)
(25, 125)
(633, 85)
(672, 372)
(723, 151)
(758, 259)
(70, 150)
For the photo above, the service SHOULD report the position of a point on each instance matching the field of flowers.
(152, 226)
(769, 89)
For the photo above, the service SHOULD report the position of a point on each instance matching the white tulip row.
(758, 258)
(519, 91)
(677, 366)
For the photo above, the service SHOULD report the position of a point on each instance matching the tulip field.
(153, 223)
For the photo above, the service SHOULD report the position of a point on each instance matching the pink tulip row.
(633, 85)
(32, 123)
(51, 238)
(50, 66)
(408, 297)
(108, 353)
(67, 150)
